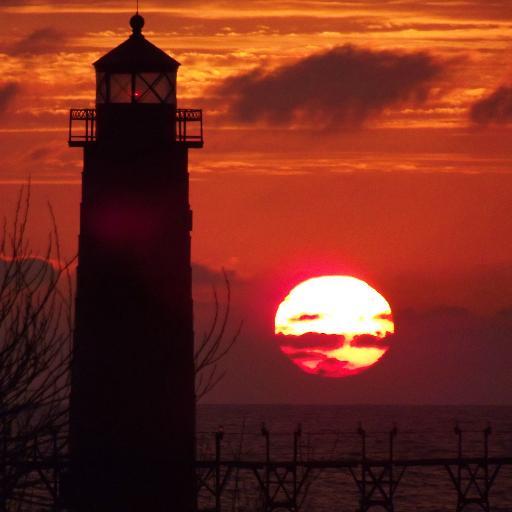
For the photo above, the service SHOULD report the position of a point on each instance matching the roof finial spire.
(137, 22)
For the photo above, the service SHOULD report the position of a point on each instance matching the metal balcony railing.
(82, 127)
(85, 118)
(186, 119)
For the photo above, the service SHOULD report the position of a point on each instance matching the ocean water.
(331, 433)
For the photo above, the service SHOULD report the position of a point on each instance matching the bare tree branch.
(215, 344)
(36, 309)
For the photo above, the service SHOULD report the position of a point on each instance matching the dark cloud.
(442, 355)
(311, 340)
(384, 316)
(7, 94)
(346, 85)
(332, 367)
(32, 269)
(40, 153)
(493, 109)
(304, 318)
(307, 356)
(204, 275)
(369, 341)
(39, 42)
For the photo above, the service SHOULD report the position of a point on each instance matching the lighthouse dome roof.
(136, 55)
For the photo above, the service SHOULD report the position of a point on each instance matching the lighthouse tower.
(132, 401)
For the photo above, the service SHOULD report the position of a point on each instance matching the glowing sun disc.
(334, 326)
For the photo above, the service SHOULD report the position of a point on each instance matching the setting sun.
(334, 326)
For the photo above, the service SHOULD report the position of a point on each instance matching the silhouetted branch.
(215, 344)
(35, 348)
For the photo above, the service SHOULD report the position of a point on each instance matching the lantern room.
(136, 72)
(136, 99)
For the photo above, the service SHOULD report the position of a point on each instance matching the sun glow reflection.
(334, 326)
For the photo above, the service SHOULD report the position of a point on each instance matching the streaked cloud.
(41, 41)
(8, 92)
(496, 108)
(343, 86)
(49, 47)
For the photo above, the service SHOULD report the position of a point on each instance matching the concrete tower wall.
(132, 415)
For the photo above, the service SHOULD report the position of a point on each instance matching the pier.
(284, 483)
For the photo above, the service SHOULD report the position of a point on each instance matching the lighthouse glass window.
(136, 88)
(154, 88)
(120, 88)
(101, 88)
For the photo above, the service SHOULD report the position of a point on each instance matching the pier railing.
(31, 470)
(281, 482)
(278, 471)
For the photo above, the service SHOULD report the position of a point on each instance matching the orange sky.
(366, 136)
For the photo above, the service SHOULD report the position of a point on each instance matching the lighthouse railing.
(85, 118)
(189, 126)
(82, 127)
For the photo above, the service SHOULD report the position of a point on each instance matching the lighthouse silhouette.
(132, 412)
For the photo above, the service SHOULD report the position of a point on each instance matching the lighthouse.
(132, 408)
